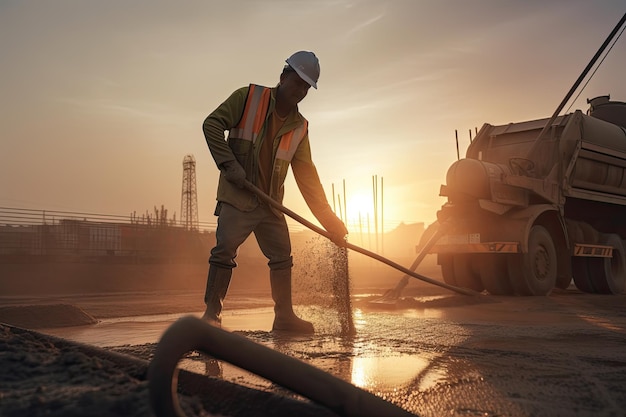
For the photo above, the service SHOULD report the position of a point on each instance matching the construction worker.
(266, 135)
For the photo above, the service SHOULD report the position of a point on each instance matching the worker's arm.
(226, 116)
(310, 186)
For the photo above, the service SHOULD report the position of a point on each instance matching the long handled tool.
(268, 200)
(393, 294)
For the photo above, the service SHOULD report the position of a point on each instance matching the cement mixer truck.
(537, 204)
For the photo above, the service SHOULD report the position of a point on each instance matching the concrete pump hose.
(192, 334)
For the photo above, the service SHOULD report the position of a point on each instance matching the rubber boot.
(284, 318)
(216, 287)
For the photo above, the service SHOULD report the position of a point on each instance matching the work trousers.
(233, 228)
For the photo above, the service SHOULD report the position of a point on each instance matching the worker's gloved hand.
(234, 172)
(337, 230)
(340, 240)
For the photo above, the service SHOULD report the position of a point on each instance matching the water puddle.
(381, 373)
(379, 356)
(139, 330)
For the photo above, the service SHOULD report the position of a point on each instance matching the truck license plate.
(463, 239)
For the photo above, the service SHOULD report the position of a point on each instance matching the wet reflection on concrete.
(379, 357)
(434, 356)
(374, 373)
(138, 330)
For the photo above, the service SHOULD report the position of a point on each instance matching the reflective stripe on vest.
(289, 142)
(253, 114)
(253, 118)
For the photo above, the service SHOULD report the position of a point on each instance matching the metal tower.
(189, 198)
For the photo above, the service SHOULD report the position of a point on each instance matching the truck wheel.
(580, 271)
(447, 268)
(494, 274)
(534, 273)
(465, 273)
(458, 270)
(608, 275)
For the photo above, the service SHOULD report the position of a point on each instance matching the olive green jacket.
(225, 117)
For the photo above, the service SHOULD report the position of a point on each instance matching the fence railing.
(27, 233)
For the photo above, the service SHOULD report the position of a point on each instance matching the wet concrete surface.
(434, 355)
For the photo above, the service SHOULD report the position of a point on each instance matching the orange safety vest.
(241, 140)
(253, 118)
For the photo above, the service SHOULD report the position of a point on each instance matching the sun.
(359, 212)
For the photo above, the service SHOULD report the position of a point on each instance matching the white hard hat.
(306, 65)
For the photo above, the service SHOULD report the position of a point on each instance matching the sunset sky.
(101, 100)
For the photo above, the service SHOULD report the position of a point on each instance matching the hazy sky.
(100, 101)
